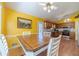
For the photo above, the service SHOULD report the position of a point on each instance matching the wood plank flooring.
(16, 52)
(68, 48)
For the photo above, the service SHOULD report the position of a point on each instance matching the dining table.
(33, 44)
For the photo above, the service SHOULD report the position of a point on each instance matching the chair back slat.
(27, 33)
(3, 45)
(53, 46)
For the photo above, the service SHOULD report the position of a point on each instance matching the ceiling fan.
(48, 6)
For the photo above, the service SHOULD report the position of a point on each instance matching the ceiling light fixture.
(67, 20)
(48, 6)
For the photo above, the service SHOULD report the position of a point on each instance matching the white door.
(40, 30)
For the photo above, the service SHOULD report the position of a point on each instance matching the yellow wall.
(3, 21)
(2, 17)
(10, 24)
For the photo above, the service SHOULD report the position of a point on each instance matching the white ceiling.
(34, 8)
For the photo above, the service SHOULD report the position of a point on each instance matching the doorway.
(40, 31)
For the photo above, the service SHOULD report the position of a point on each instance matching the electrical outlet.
(14, 44)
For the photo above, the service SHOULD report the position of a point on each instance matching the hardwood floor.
(68, 48)
(16, 52)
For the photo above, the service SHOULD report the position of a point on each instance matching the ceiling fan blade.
(43, 4)
(51, 3)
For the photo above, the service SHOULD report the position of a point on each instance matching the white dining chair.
(3, 46)
(27, 33)
(47, 34)
(53, 46)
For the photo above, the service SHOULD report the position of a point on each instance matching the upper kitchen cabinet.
(49, 25)
(66, 25)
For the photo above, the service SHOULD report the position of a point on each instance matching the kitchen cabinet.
(49, 25)
(66, 25)
(70, 26)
